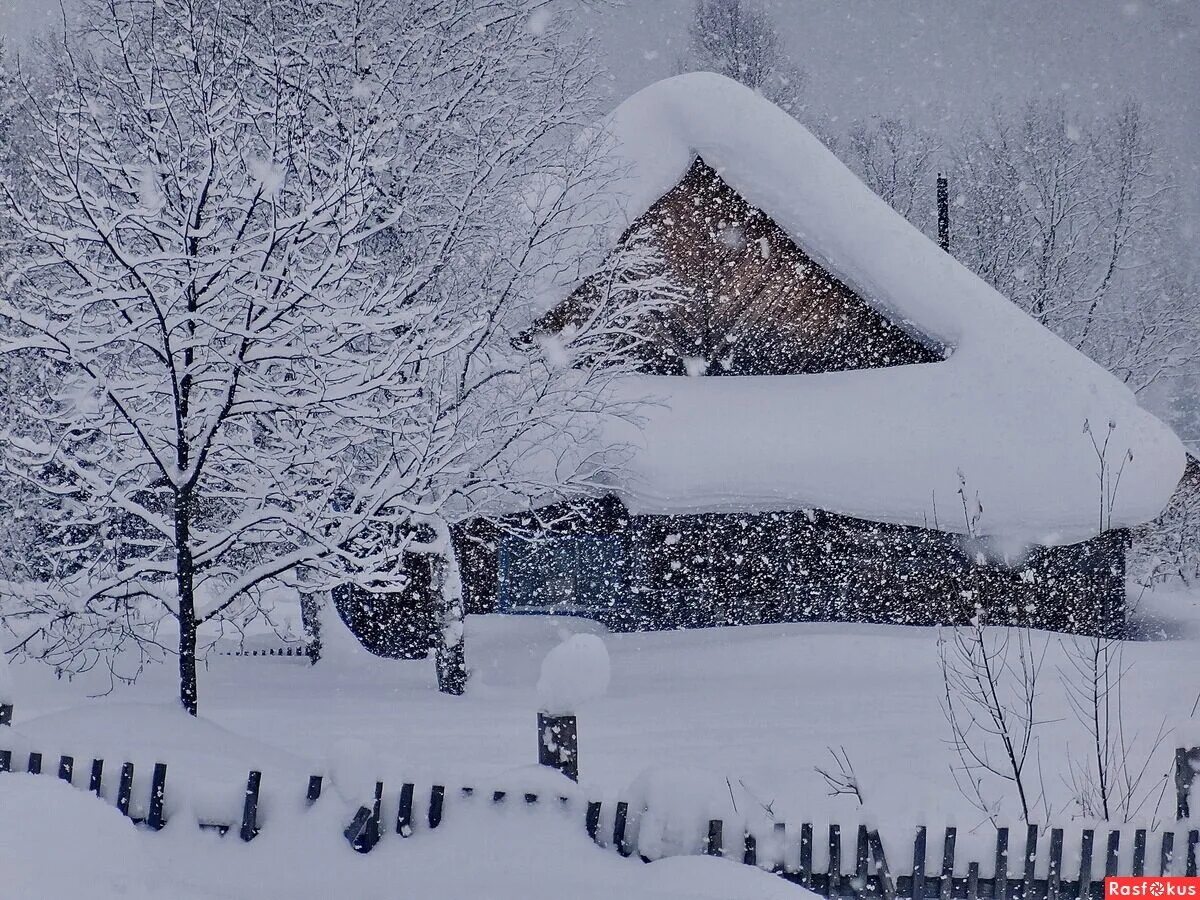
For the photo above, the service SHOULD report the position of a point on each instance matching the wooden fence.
(1014, 872)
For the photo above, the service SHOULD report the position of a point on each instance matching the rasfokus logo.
(1152, 887)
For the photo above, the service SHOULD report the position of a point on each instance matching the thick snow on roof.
(1004, 414)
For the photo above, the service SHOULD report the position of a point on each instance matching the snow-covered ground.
(694, 722)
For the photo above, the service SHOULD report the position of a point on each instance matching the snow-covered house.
(876, 435)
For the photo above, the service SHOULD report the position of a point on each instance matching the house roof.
(1000, 421)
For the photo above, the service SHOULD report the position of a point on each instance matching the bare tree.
(896, 160)
(1065, 216)
(739, 39)
(990, 698)
(1109, 781)
(271, 275)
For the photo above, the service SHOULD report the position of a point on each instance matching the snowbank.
(575, 671)
(1001, 418)
(57, 842)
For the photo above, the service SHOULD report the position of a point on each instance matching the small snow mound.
(57, 841)
(575, 671)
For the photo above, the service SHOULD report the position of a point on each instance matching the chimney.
(943, 212)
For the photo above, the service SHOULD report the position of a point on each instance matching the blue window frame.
(573, 575)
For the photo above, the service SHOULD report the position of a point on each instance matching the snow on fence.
(1043, 872)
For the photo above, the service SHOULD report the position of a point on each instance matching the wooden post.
(96, 777)
(35, 764)
(943, 212)
(314, 789)
(158, 787)
(66, 768)
(5, 760)
(125, 789)
(249, 828)
(404, 811)
(973, 881)
(1190, 865)
(6, 713)
(1187, 763)
(373, 829)
(918, 870)
(558, 744)
(713, 845)
(437, 796)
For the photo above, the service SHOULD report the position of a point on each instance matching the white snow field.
(695, 724)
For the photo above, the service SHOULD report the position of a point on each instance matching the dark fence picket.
(592, 820)
(1112, 853)
(780, 832)
(315, 783)
(749, 849)
(96, 778)
(973, 881)
(1193, 840)
(1085, 863)
(1028, 885)
(125, 789)
(158, 789)
(835, 861)
(713, 845)
(886, 884)
(946, 885)
(1054, 880)
(437, 796)
(357, 833)
(806, 855)
(1166, 856)
(1000, 870)
(619, 823)
(404, 815)
(35, 764)
(918, 870)
(861, 860)
(249, 829)
(1139, 852)
(5, 760)
(66, 768)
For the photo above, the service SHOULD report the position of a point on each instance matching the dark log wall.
(705, 570)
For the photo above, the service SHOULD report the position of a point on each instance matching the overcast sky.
(939, 60)
(935, 60)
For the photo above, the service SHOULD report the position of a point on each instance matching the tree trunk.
(451, 649)
(310, 619)
(185, 585)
